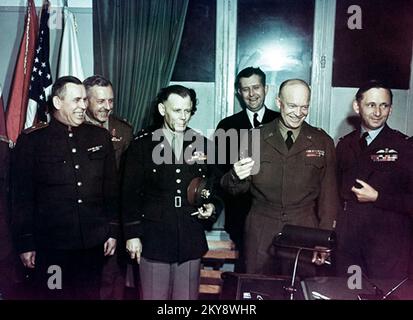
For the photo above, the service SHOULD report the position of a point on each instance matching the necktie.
(173, 141)
(363, 141)
(257, 123)
(289, 141)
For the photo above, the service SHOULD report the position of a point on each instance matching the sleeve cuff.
(133, 230)
(25, 244)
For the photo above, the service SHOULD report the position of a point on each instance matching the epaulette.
(348, 134)
(35, 127)
(320, 129)
(126, 122)
(142, 134)
(123, 120)
(93, 124)
(401, 134)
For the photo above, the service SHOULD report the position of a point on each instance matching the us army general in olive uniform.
(164, 231)
(293, 183)
(65, 197)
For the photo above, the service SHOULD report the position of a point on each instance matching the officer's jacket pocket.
(96, 164)
(52, 169)
(97, 155)
(51, 159)
(117, 145)
(152, 211)
(317, 162)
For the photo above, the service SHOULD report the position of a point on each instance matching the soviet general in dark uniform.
(375, 175)
(64, 197)
(159, 221)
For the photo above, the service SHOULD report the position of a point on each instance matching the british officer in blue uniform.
(64, 197)
(375, 179)
(166, 233)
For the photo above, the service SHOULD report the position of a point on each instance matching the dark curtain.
(136, 44)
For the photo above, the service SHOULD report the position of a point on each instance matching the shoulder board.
(35, 127)
(126, 122)
(92, 124)
(123, 120)
(141, 135)
(400, 134)
(348, 134)
(195, 132)
(319, 130)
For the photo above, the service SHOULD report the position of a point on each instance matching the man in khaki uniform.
(292, 181)
(99, 112)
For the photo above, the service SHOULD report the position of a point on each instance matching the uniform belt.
(178, 201)
(277, 212)
(290, 208)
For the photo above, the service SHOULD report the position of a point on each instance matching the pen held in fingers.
(245, 161)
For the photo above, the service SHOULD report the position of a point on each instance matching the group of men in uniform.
(67, 193)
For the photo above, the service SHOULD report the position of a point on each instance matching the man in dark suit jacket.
(64, 198)
(292, 181)
(251, 89)
(100, 96)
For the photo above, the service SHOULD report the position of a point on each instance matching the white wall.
(11, 26)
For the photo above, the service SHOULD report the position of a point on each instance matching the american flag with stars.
(41, 77)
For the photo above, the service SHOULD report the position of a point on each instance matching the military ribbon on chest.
(114, 137)
(315, 153)
(197, 156)
(95, 148)
(385, 155)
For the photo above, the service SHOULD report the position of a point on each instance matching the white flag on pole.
(70, 63)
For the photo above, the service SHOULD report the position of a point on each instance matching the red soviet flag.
(3, 132)
(19, 90)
